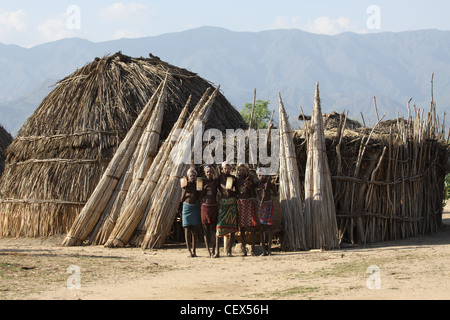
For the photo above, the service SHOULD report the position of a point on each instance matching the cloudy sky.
(29, 23)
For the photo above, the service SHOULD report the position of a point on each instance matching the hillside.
(351, 68)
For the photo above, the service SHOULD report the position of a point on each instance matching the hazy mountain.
(351, 68)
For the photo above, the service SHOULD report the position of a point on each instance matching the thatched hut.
(5, 141)
(59, 155)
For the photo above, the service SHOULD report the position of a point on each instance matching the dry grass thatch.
(5, 141)
(61, 152)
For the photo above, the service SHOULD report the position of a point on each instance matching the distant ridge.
(351, 68)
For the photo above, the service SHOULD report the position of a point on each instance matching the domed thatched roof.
(5, 141)
(62, 150)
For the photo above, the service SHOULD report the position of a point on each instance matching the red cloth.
(209, 213)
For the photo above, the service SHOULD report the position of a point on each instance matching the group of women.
(225, 204)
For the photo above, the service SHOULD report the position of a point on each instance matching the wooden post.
(253, 110)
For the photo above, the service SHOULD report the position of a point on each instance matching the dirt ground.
(417, 268)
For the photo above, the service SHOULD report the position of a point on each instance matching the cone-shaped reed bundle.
(164, 208)
(320, 214)
(290, 196)
(134, 211)
(166, 166)
(99, 199)
(135, 173)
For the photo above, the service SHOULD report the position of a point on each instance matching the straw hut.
(61, 152)
(5, 141)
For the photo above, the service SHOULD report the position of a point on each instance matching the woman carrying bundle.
(191, 210)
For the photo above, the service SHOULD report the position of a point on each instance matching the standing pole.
(253, 110)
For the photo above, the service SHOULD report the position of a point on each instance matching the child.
(191, 210)
(209, 209)
(228, 214)
(265, 190)
(246, 205)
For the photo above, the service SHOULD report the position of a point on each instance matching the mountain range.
(351, 68)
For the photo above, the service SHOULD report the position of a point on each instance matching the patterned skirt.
(227, 218)
(265, 213)
(247, 213)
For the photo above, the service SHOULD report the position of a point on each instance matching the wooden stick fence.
(388, 182)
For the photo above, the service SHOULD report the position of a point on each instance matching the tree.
(261, 115)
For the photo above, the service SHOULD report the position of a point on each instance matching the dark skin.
(245, 190)
(209, 195)
(226, 194)
(190, 195)
(266, 189)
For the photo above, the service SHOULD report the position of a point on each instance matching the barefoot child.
(265, 190)
(209, 209)
(246, 205)
(191, 210)
(227, 223)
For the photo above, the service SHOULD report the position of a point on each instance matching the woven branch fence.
(387, 180)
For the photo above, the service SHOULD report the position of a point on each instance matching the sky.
(29, 23)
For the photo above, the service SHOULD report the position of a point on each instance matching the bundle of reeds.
(137, 233)
(5, 141)
(320, 215)
(104, 191)
(290, 195)
(136, 171)
(163, 209)
(135, 208)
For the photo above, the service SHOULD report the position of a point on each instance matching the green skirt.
(228, 217)
(190, 215)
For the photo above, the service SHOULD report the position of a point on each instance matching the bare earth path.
(416, 268)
